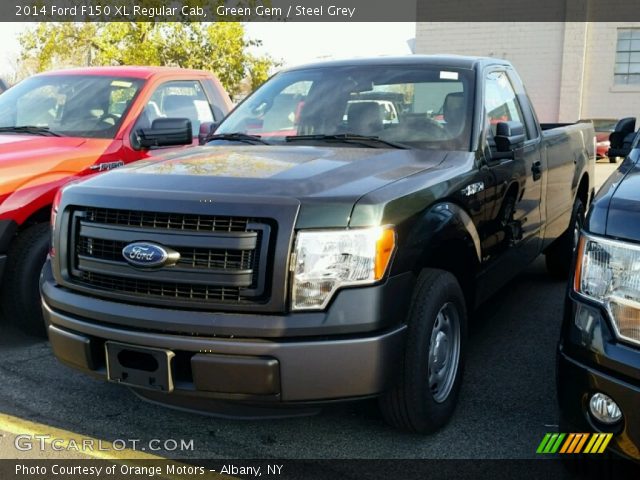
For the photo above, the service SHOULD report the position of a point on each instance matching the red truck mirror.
(165, 132)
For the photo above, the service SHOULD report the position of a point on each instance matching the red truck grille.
(222, 259)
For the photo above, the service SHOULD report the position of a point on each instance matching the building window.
(627, 69)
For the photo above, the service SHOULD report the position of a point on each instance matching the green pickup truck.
(318, 250)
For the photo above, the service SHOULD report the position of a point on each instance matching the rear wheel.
(429, 380)
(613, 159)
(20, 293)
(559, 255)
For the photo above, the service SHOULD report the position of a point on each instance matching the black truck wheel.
(428, 384)
(20, 291)
(559, 255)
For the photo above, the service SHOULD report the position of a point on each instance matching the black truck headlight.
(608, 271)
(326, 260)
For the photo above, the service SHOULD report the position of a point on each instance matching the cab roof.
(126, 71)
(452, 61)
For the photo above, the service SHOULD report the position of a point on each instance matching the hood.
(17, 148)
(26, 160)
(326, 181)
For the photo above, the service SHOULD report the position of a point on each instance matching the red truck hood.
(30, 160)
(17, 147)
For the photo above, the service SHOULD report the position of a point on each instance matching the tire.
(559, 255)
(20, 295)
(613, 159)
(413, 405)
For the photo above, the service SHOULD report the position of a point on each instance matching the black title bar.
(320, 10)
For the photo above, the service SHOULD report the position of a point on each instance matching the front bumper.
(596, 361)
(210, 372)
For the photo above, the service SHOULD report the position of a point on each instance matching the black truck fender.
(443, 236)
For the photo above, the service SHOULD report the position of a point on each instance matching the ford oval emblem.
(144, 254)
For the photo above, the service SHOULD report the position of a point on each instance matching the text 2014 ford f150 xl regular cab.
(60, 126)
(316, 250)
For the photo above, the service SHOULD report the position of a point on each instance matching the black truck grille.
(167, 221)
(222, 259)
(162, 289)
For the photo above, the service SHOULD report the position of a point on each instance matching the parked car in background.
(337, 260)
(599, 350)
(603, 127)
(63, 126)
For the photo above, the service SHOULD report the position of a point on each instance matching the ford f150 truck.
(599, 350)
(61, 126)
(312, 251)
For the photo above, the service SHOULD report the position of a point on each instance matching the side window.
(500, 102)
(177, 99)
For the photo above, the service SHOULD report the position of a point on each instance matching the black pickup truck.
(599, 350)
(327, 244)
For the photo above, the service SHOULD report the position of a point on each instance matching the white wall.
(567, 68)
(601, 98)
(535, 49)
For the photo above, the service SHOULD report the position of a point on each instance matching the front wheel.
(20, 293)
(426, 392)
(559, 255)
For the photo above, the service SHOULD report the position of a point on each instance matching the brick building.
(571, 70)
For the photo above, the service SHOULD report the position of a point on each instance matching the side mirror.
(621, 139)
(206, 129)
(166, 132)
(509, 136)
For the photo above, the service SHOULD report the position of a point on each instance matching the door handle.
(536, 169)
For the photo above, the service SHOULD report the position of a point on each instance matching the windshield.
(422, 107)
(70, 105)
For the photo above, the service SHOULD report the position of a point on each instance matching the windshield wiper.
(30, 129)
(369, 141)
(238, 137)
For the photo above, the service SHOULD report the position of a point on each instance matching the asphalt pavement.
(507, 402)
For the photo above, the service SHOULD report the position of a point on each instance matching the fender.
(34, 195)
(442, 225)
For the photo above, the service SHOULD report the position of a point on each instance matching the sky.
(290, 43)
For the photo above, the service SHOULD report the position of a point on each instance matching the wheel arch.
(446, 238)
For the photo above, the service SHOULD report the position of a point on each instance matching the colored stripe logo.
(574, 443)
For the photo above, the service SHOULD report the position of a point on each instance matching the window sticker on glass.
(121, 83)
(444, 75)
(204, 110)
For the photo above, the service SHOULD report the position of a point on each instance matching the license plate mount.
(139, 367)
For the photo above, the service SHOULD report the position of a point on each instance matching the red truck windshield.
(71, 105)
(422, 107)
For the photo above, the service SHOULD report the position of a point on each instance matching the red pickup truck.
(62, 126)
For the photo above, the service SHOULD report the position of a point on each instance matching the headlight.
(327, 260)
(609, 272)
